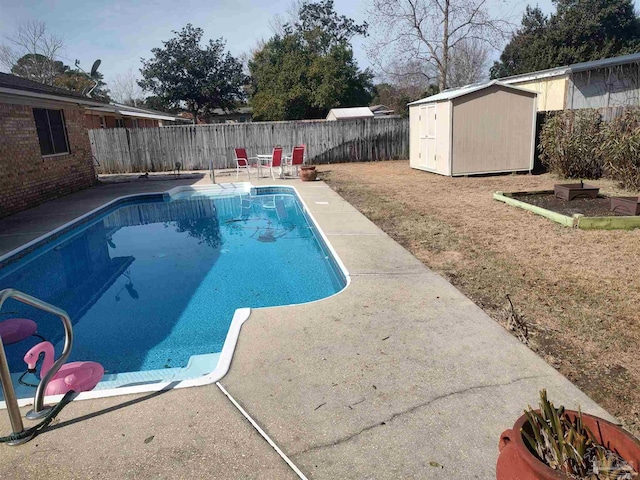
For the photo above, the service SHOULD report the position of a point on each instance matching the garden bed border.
(575, 221)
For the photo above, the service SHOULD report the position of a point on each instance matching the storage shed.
(485, 128)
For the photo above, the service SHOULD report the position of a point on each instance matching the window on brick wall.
(119, 122)
(52, 132)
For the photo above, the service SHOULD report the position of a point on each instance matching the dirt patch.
(575, 289)
(589, 207)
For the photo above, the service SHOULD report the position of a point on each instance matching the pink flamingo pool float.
(15, 330)
(76, 376)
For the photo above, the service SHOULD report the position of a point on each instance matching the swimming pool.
(157, 285)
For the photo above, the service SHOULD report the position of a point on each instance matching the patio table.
(264, 159)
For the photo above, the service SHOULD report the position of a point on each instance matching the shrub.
(570, 143)
(621, 149)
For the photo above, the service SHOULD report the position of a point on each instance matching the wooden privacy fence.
(121, 150)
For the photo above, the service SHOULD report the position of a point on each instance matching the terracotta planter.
(308, 173)
(569, 191)
(516, 462)
(625, 205)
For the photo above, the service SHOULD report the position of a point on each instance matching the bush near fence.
(590, 143)
(123, 150)
(621, 149)
(570, 144)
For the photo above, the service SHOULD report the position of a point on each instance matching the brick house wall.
(26, 177)
(93, 121)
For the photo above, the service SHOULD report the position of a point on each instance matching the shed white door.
(430, 141)
(422, 149)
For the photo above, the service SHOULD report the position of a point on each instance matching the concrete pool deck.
(398, 376)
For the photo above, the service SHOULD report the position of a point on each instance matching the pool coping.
(240, 315)
(577, 220)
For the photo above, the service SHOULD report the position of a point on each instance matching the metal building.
(606, 83)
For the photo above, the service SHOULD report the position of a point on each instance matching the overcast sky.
(120, 33)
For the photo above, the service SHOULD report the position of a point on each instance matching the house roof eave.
(51, 97)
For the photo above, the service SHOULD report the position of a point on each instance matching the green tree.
(309, 68)
(157, 103)
(280, 84)
(594, 29)
(322, 28)
(529, 49)
(579, 31)
(35, 66)
(80, 82)
(183, 74)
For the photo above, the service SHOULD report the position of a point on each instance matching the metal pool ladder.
(39, 410)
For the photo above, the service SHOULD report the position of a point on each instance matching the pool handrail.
(39, 410)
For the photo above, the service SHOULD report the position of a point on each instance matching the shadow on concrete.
(111, 409)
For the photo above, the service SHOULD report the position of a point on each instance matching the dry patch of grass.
(577, 290)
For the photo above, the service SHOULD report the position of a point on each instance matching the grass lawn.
(577, 290)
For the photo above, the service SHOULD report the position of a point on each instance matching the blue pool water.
(151, 282)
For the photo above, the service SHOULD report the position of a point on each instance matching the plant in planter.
(554, 443)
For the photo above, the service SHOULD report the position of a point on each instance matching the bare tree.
(408, 74)
(401, 83)
(124, 89)
(291, 16)
(32, 52)
(427, 32)
(468, 63)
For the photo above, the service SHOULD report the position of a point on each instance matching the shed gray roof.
(467, 89)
